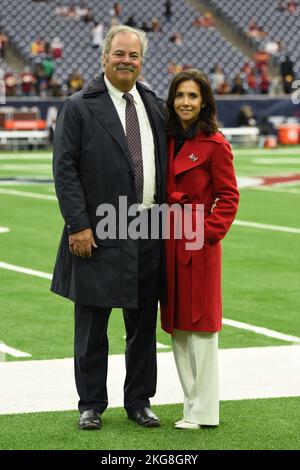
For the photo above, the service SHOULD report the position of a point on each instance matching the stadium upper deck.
(24, 21)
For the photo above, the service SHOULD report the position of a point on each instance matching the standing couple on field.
(115, 138)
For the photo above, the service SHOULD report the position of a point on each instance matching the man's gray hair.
(124, 29)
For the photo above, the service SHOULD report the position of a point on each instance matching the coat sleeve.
(226, 194)
(66, 163)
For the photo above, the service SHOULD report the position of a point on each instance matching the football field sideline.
(247, 373)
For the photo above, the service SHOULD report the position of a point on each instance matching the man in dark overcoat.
(110, 142)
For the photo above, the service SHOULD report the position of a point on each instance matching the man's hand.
(81, 243)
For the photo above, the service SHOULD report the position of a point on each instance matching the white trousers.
(196, 357)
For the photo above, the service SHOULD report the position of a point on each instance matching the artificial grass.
(260, 273)
(246, 424)
(267, 207)
(252, 162)
(40, 323)
(260, 278)
(260, 287)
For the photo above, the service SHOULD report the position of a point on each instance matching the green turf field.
(261, 288)
(253, 424)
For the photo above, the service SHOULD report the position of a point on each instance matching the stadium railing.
(19, 139)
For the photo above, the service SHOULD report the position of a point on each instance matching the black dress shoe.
(90, 419)
(144, 417)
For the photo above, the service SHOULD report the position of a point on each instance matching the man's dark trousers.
(91, 342)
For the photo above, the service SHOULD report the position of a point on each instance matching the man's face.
(123, 63)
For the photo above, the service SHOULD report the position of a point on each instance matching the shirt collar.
(118, 94)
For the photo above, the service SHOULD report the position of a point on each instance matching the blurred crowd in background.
(253, 77)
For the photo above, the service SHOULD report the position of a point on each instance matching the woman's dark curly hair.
(207, 120)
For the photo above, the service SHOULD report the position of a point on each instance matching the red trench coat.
(202, 173)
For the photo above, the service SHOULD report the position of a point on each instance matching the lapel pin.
(193, 157)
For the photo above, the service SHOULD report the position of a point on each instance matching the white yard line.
(261, 331)
(248, 373)
(12, 351)
(20, 269)
(25, 166)
(249, 181)
(26, 182)
(15, 192)
(276, 228)
(4, 229)
(26, 156)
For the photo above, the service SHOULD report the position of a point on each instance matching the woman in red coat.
(200, 171)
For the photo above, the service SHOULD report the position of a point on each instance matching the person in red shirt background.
(28, 82)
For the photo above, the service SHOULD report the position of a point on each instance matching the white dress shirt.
(146, 138)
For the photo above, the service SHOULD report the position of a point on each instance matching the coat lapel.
(188, 157)
(98, 101)
(155, 119)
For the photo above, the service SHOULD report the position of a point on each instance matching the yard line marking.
(12, 352)
(4, 229)
(26, 166)
(249, 181)
(26, 181)
(261, 330)
(20, 269)
(26, 157)
(15, 192)
(276, 228)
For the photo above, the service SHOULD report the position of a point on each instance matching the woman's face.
(188, 101)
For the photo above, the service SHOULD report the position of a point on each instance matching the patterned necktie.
(133, 136)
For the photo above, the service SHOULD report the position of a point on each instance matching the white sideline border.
(247, 373)
(15, 192)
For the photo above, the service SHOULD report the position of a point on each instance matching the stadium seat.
(26, 20)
